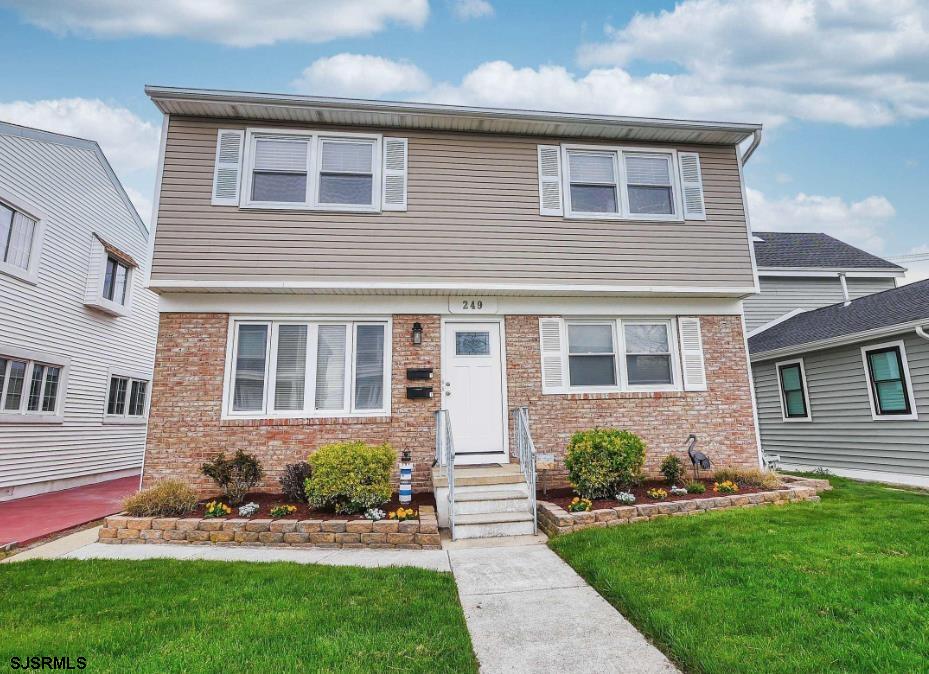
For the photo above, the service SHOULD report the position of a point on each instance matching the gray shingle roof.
(907, 304)
(820, 251)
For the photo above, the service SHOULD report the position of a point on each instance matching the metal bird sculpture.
(699, 460)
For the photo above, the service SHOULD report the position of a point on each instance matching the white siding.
(780, 295)
(842, 433)
(73, 189)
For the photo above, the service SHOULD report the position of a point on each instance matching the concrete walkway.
(528, 611)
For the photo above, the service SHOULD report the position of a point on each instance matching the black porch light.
(417, 335)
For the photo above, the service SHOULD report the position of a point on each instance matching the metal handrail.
(525, 449)
(445, 456)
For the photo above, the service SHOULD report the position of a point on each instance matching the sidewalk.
(27, 519)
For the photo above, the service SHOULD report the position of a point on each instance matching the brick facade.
(186, 429)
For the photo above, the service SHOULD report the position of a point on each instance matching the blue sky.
(842, 87)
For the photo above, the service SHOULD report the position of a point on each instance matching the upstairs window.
(649, 188)
(889, 384)
(20, 235)
(109, 278)
(115, 280)
(311, 171)
(594, 182)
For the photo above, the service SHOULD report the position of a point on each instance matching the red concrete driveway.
(26, 519)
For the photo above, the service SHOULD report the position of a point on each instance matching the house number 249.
(472, 305)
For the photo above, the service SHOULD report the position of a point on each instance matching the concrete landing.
(528, 611)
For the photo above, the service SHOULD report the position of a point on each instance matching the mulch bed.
(563, 496)
(267, 501)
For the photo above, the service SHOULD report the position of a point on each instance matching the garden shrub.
(752, 477)
(235, 476)
(350, 477)
(672, 468)
(293, 481)
(601, 461)
(168, 498)
(696, 488)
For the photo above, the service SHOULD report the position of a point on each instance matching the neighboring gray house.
(799, 271)
(77, 326)
(846, 387)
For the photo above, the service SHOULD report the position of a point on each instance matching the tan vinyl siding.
(473, 215)
(780, 295)
(842, 433)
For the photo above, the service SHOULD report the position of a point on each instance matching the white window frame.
(780, 391)
(22, 415)
(619, 350)
(314, 162)
(31, 273)
(622, 188)
(100, 253)
(676, 377)
(875, 408)
(309, 410)
(125, 417)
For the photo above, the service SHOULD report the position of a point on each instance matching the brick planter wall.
(555, 520)
(422, 533)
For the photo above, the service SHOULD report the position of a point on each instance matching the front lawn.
(841, 585)
(198, 616)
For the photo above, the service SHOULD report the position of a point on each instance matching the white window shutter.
(551, 201)
(551, 339)
(691, 185)
(692, 362)
(393, 192)
(227, 173)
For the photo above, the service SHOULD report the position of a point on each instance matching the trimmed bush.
(601, 461)
(752, 477)
(168, 498)
(350, 477)
(235, 476)
(293, 481)
(696, 488)
(673, 469)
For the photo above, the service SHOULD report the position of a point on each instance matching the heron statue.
(698, 460)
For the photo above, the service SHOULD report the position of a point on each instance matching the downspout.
(756, 141)
(844, 288)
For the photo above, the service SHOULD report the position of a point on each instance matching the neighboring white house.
(77, 326)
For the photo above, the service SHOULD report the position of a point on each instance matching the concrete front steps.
(490, 501)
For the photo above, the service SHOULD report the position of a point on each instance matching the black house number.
(472, 305)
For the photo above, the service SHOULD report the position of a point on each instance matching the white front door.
(472, 391)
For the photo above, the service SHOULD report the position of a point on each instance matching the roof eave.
(841, 340)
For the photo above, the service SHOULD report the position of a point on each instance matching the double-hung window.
(312, 171)
(622, 183)
(889, 384)
(305, 368)
(649, 360)
(591, 354)
(30, 388)
(126, 398)
(20, 235)
(791, 379)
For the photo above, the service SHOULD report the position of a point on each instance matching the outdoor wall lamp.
(417, 333)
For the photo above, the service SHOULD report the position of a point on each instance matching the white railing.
(526, 451)
(445, 456)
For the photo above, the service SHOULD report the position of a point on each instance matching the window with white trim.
(303, 368)
(591, 354)
(29, 387)
(20, 235)
(649, 360)
(109, 278)
(889, 385)
(115, 280)
(622, 183)
(126, 398)
(312, 171)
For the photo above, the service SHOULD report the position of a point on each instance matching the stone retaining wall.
(422, 533)
(555, 520)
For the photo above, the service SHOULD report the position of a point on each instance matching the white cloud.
(240, 23)
(472, 9)
(916, 261)
(855, 62)
(860, 223)
(360, 76)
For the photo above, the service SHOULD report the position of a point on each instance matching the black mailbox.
(418, 373)
(413, 392)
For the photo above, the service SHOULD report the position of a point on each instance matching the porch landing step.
(487, 525)
(507, 473)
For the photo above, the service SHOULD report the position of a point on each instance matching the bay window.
(305, 368)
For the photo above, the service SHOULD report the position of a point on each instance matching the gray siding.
(473, 216)
(781, 294)
(77, 197)
(842, 433)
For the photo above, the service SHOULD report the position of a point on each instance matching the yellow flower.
(391, 515)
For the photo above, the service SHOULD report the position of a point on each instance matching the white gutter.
(921, 331)
(756, 141)
(843, 340)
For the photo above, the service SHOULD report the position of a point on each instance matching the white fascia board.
(844, 340)
(829, 273)
(779, 319)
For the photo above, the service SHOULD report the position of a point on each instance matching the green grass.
(197, 616)
(836, 586)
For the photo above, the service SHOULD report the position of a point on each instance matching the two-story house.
(77, 326)
(344, 269)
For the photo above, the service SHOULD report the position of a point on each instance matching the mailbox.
(414, 392)
(418, 373)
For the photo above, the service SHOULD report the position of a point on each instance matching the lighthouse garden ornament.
(406, 477)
